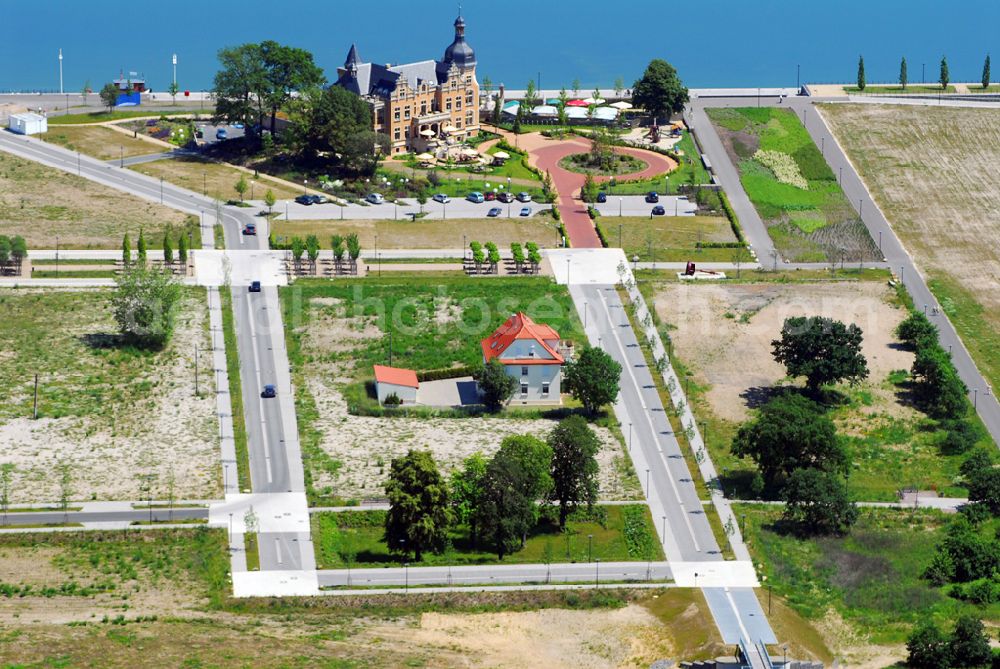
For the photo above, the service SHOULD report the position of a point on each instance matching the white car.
(442, 198)
(524, 197)
(375, 198)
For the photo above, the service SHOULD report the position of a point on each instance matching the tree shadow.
(757, 396)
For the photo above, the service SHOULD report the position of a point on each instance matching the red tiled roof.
(396, 376)
(520, 326)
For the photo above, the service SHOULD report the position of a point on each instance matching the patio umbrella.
(502, 155)
(449, 128)
(425, 156)
(427, 133)
(620, 105)
(577, 103)
(594, 101)
(552, 101)
(470, 152)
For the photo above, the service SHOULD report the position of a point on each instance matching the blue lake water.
(719, 43)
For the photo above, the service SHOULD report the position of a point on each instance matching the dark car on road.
(602, 197)
(652, 197)
(658, 210)
(250, 229)
(221, 134)
(505, 197)
(269, 391)
(493, 212)
(254, 286)
(304, 199)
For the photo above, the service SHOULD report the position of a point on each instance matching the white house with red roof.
(530, 352)
(396, 381)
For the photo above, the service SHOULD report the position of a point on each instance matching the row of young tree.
(341, 246)
(593, 378)
(528, 255)
(13, 251)
(944, 76)
(498, 499)
(142, 249)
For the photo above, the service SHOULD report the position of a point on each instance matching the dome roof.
(460, 53)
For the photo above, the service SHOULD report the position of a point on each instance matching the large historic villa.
(419, 104)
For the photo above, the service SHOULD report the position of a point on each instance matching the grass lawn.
(622, 163)
(804, 208)
(871, 577)
(100, 142)
(72, 273)
(968, 316)
(689, 166)
(896, 89)
(44, 205)
(338, 535)
(459, 187)
(669, 238)
(102, 116)
(427, 233)
(513, 168)
(214, 179)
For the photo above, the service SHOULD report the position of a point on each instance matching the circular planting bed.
(611, 165)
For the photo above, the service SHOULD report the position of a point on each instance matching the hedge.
(734, 221)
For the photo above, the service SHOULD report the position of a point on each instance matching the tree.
(984, 487)
(902, 73)
(816, 502)
(298, 248)
(960, 436)
(596, 95)
(286, 70)
(18, 251)
(588, 192)
(619, 87)
(487, 85)
(4, 252)
(822, 350)
(986, 72)
(419, 516)
(465, 489)
(495, 384)
(85, 91)
(505, 511)
(518, 116)
(943, 77)
(861, 73)
(937, 386)
(574, 465)
(140, 252)
(529, 94)
(312, 250)
(337, 246)
(928, 648)
(497, 111)
(981, 458)
(536, 457)
(109, 96)
(740, 255)
(182, 248)
(168, 249)
(241, 85)
(916, 331)
(241, 186)
(593, 378)
(576, 88)
(173, 89)
(66, 491)
(145, 305)
(269, 200)
(326, 121)
(126, 250)
(790, 432)
(353, 250)
(660, 91)
(969, 645)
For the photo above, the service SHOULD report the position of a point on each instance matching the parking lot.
(293, 211)
(209, 130)
(636, 205)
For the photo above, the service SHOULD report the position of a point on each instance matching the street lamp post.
(121, 157)
(620, 206)
(60, 73)
(161, 190)
(597, 573)
(590, 547)
(647, 482)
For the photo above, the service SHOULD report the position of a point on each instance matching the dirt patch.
(724, 333)
(852, 648)
(625, 637)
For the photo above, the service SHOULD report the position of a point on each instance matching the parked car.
(525, 211)
(221, 134)
(602, 197)
(255, 286)
(490, 196)
(375, 198)
(505, 197)
(652, 197)
(658, 210)
(238, 126)
(475, 196)
(493, 212)
(199, 133)
(320, 199)
(269, 391)
(523, 197)
(250, 229)
(442, 198)
(304, 199)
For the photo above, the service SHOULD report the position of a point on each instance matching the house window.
(397, 133)
(407, 113)
(423, 108)
(458, 103)
(545, 389)
(447, 105)
(524, 371)
(396, 115)
(524, 388)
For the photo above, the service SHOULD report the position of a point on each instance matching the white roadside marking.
(260, 400)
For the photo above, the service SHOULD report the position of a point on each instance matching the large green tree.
(593, 378)
(944, 77)
(916, 331)
(506, 509)
(574, 465)
(419, 514)
(466, 487)
(535, 456)
(660, 91)
(791, 432)
(287, 70)
(336, 123)
(928, 648)
(145, 305)
(969, 643)
(496, 385)
(902, 73)
(984, 487)
(822, 350)
(241, 85)
(861, 73)
(816, 502)
(937, 386)
(109, 96)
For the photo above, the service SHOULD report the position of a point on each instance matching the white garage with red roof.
(531, 353)
(396, 381)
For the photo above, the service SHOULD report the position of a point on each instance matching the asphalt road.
(456, 209)
(49, 517)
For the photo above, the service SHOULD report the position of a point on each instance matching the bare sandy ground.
(168, 430)
(733, 353)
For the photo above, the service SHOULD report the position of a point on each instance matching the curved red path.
(578, 225)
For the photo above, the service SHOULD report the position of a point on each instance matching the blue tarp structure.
(129, 100)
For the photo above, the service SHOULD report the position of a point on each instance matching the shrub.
(960, 436)
(392, 400)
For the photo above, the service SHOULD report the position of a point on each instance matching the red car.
(490, 196)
